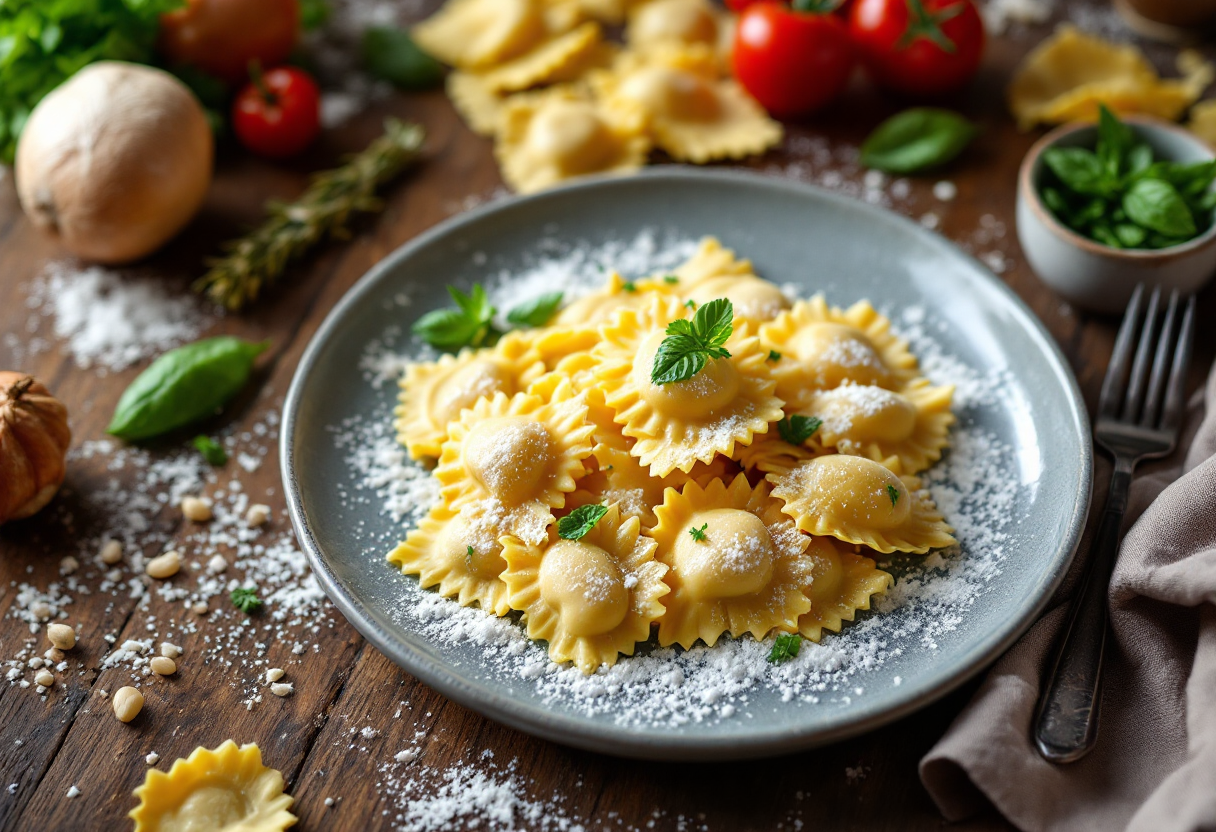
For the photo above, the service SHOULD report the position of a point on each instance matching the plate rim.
(607, 737)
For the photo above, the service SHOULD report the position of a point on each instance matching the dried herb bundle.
(259, 258)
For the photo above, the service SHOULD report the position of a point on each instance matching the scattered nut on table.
(111, 552)
(68, 565)
(257, 515)
(196, 509)
(61, 636)
(164, 566)
(163, 666)
(217, 564)
(274, 674)
(282, 688)
(170, 651)
(128, 702)
(45, 678)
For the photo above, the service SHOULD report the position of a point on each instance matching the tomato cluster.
(796, 56)
(277, 112)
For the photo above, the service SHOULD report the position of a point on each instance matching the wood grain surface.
(337, 772)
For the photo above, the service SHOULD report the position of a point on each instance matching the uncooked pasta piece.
(861, 501)
(734, 563)
(549, 137)
(592, 599)
(225, 790)
(679, 424)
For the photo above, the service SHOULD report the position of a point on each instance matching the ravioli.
(433, 394)
(679, 424)
(476, 34)
(591, 599)
(841, 583)
(692, 114)
(557, 135)
(861, 501)
(868, 420)
(225, 790)
(680, 23)
(516, 458)
(458, 551)
(734, 563)
(822, 347)
(1068, 75)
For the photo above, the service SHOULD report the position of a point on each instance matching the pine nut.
(45, 678)
(61, 636)
(282, 688)
(111, 552)
(274, 674)
(54, 654)
(196, 510)
(128, 702)
(170, 651)
(165, 566)
(68, 565)
(217, 564)
(163, 666)
(257, 515)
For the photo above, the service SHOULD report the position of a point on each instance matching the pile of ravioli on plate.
(562, 101)
(752, 498)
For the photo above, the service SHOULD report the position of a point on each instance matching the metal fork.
(1139, 415)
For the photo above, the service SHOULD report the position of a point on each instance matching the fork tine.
(1161, 364)
(1135, 386)
(1175, 397)
(1112, 385)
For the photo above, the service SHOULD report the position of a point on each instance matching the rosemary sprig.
(258, 259)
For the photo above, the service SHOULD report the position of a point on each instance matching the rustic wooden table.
(340, 774)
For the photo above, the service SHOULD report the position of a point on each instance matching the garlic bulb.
(34, 438)
(115, 161)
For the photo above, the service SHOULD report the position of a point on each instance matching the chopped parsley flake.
(796, 429)
(698, 534)
(773, 355)
(785, 647)
(670, 278)
(629, 286)
(246, 600)
(893, 493)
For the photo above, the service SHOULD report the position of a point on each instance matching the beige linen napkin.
(1154, 766)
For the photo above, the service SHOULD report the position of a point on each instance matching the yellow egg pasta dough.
(476, 34)
(223, 790)
(559, 134)
(859, 500)
(679, 424)
(752, 492)
(1068, 75)
(734, 563)
(592, 599)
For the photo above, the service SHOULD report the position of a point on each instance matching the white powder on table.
(668, 688)
(109, 320)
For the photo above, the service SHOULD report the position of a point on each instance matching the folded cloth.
(1153, 768)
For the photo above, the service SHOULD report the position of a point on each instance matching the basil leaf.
(1139, 159)
(579, 522)
(536, 312)
(183, 386)
(917, 139)
(714, 322)
(391, 54)
(1078, 168)
(313, 14)
(796, 429)
(1130, 235)
(1115, 141)
(468, 325)
(679, 358)
(690, 344)
(1103, 233)
(1157, 205)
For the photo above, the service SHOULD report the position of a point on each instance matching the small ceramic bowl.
(1092, 275)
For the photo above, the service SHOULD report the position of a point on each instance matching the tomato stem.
(258, 79)
(923, 23)
(816, 6)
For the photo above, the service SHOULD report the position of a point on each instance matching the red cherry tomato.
(740, 5)
(793, 62)
(221, 37)
(278, 113)
(918, 47)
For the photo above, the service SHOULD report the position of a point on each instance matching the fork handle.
(1066, 726)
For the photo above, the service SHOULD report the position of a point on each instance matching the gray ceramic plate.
(1016, 482)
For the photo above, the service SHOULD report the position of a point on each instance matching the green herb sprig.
(469, 324)
(690, 344)
(698, 534)
(246, 600)
(1119, 195)
(576, 524)
(785, 647)
(536, 312)
(324, 210)
(893, 494)
(391, 54)
(211, 450)
(796, 428)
